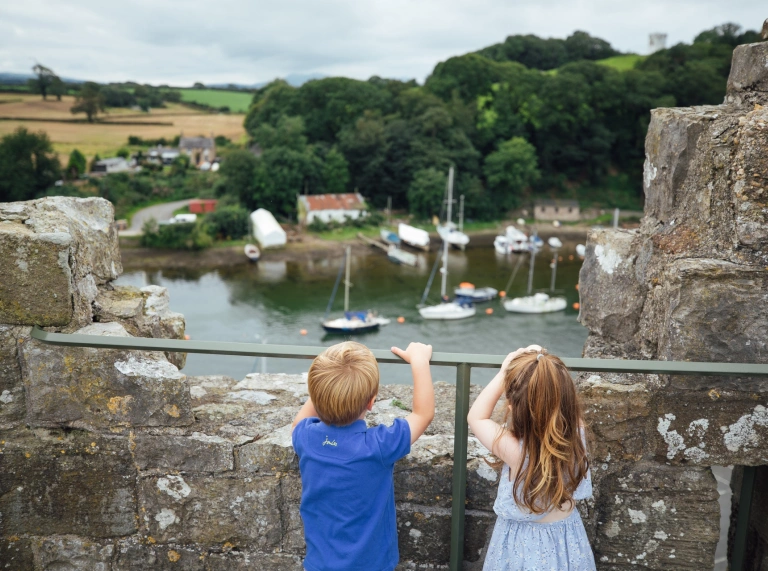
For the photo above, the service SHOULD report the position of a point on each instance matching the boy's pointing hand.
(416, 352)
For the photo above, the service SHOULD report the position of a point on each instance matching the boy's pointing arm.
(418, 355)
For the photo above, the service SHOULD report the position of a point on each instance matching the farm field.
(623, 62)
(237, 101)
(105, 139)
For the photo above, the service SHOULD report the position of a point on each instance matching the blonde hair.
(545, 414)
(342, 381)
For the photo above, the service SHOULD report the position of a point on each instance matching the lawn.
(104, 139)
(237, 101)
(623, 62)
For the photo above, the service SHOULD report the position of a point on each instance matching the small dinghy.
(389, 237)
(252, 252)
(399, 256)
(475, 294)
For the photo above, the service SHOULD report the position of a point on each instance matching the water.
(272, 301)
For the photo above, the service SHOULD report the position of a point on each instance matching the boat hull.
(538, 303)
(344, 326)
(447, 311)
(477, 295)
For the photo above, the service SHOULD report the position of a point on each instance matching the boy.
(348, 493)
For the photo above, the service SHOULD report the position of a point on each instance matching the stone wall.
(690, 285)
(114, 460)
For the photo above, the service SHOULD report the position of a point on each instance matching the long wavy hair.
(545, 414)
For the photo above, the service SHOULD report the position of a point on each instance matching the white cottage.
(327, 207)
(266, 230)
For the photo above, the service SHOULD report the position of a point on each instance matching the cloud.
(244, 41)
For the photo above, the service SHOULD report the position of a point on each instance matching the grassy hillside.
(623, 62)
(237, 101)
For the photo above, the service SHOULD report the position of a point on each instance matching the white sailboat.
(460, 308)
(512, 242)
(539, 302)
(353, 321)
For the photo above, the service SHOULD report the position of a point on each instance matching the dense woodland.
(528, 117)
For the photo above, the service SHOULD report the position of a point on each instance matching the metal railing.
(464, 362)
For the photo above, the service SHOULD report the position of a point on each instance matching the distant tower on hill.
(656, 42)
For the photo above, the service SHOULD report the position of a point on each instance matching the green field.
(623, 62)
(237, 101)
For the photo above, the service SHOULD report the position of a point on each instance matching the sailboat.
(461, 307)
(450, 232)
(538, 302)
(353, 321)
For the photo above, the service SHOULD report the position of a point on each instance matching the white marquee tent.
(266, 229)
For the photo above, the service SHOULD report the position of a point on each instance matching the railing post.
(742, 521)
(459, 489)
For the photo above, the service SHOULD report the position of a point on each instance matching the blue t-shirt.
(348, 493)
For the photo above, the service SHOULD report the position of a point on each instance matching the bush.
(227, 223)
(192, 236)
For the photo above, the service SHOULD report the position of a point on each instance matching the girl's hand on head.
(517, 353)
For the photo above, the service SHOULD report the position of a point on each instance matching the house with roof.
(331, 207)
(563, 210)
(198, 149)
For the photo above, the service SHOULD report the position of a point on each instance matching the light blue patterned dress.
(520, 543)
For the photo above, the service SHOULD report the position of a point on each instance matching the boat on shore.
(413, 237)
(389, 237)
(252, 252)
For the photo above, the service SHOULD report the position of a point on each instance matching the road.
(158, 212)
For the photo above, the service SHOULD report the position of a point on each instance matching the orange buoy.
(570, 258)
(489, 311)
(401, 319)
(502, 294)
(466, 285)
(303, 331)
(559, 258)
(577, 287)
(576, 305)
(186, 337)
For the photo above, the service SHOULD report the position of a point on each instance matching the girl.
(542, 448)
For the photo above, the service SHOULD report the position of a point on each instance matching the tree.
(238, 169)
(335, 172)
(77, 164)
(510, 170)
(58, 88)
(89, 100)
(426, 192)
(45, 79)
(28, 165)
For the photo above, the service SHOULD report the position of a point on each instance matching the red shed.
(202, 205)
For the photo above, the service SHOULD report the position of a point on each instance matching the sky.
(250, 41)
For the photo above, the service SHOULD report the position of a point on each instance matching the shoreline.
(310, 248)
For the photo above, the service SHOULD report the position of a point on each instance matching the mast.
(461, 213)
(389, 211)
(444, 269)
(554, 271)
(346, 280)
(530, 270)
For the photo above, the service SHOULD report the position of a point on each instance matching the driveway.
(158, 212)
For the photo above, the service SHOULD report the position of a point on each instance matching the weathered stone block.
(92, 257)
(92, 388)
(245, 561)
(618, 416)
(424, 534)
(59, 483)
(749, 71)
(134, 556)
(611, 295)
(670, 148)
(35, 280)
(269, 455)
(715, 426)
(244, 512)
(659, 517)
(11, 388)
(715, 312)
(16, 554)
(73, 553)
(196, 453)
(293, 527)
